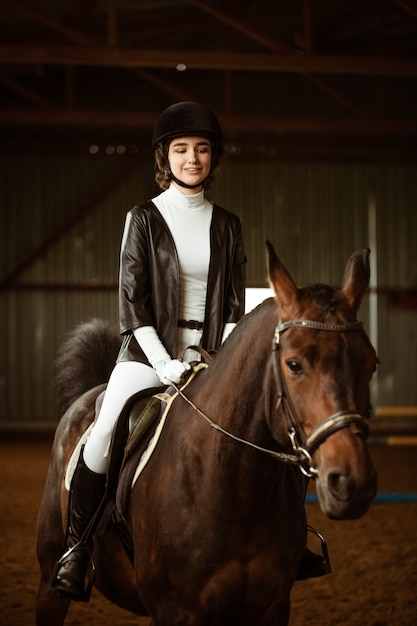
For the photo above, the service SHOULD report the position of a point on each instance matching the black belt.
(191, 324)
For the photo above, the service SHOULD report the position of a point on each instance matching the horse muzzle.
(344, 492)
(344, 496)
(345, 489)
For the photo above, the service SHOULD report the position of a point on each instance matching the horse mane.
(85, 359)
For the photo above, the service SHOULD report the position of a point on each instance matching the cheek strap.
(179, 182)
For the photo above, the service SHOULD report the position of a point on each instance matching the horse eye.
(294, 367)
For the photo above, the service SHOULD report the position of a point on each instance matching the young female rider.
(182, 283)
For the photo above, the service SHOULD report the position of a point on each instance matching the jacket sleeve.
(235, 288)
(135, 307)
(225, 303)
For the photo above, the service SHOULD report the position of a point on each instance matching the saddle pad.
(152, 444)
(140, 456)
(136, 463)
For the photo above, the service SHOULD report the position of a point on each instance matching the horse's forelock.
(324, 296)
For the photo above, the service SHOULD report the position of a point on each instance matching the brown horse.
(217, 516)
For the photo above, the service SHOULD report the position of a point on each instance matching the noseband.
(309, 444)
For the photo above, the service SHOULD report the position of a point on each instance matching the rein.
(302, 455)
(281, 456)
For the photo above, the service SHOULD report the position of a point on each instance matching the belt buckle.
(190, 324)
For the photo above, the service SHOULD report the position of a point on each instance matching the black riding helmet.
(186, 119)
(181, 120)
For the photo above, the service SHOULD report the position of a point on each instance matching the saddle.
(131, 448)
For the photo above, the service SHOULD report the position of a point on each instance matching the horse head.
(324, 362)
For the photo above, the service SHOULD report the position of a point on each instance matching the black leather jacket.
(149, 280)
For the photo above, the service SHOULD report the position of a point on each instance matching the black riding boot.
(314, 565)
(70, 575)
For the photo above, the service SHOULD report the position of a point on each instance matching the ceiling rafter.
(240, 25)
(78, 37)
(56, 25)
(231, 122)
(274, 45)
(251, 56)
(411, 10)
(94, 56)
(28, 94)
(165, 85)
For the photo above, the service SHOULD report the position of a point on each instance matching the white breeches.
(127, 378)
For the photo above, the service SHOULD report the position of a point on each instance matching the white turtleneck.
(189, 219)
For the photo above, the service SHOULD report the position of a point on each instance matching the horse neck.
(238, 388)
(233, 469)
(234, 392)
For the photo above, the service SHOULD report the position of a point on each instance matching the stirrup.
(324, 549)
(81, 596)
(313, 565)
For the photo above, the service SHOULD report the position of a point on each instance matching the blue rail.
(380, 498)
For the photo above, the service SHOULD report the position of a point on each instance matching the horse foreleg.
(50, 610)
(278, 614)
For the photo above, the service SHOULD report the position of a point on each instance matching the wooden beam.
(59, 27)
(27, 93)
(231, 122)
(112, 42)
(112, 29)
(164, 85)
(407, 7)
(335, 94)
(202, 60)
(274, 45)
(246, 29)
(308, 26)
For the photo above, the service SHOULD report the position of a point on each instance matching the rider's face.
(190, 160)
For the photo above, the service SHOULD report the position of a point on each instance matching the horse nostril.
(340, 486)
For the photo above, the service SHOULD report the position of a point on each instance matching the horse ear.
(283, 285)
(356, 278)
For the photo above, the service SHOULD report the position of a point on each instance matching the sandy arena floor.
(374, 579)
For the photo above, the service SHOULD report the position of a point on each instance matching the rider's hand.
(172, 371)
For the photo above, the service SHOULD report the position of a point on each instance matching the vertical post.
(373, 284)
(112, 32)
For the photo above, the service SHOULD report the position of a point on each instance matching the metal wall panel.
(315, 214)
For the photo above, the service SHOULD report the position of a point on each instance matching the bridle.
(303, 446)
(309, 443)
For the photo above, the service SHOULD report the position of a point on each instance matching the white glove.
(171, 371)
